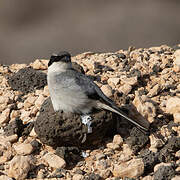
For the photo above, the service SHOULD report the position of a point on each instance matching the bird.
(73, 91)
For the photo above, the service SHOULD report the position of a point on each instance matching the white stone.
(123, 157)
(34, 111)
(33, 133)
(176, 63)
(178, 87)
(132, 169)
(4, 100)
(78, 177)
(173, 105)
(131, 81)
(18, 66)
(54, 161)
(127, 150)
(10, 95)
(39, 101)
(112, 146)
(125, 89)
(20, 105)
(107, 90)
(40, 64)
(14, 114)
(177, 53)
(145, 107)
(114, 80)
(118, 140)
(177, 154)
(178, 169)
(23, 149)
(176, 178)
(4, 142)
(176, 117)
(4, 117)
(2, 107)
(19, 167)
(24, 114)
(154, 91)
(29, 101)
(155, 142)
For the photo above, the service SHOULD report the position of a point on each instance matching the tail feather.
(119, 112)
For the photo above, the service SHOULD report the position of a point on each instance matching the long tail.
(118, 111)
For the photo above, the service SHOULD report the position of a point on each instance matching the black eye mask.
(60, 58)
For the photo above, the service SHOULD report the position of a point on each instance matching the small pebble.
(173, 105)
(107, 90)
(118, 140)
(78, 177)
(54, 161)
(40, 64)
(39, 101)
(125, 89)
(23, 149)
(115, 81)
(4, 117)
(113, 146)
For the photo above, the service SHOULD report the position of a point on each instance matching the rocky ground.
(145, 79)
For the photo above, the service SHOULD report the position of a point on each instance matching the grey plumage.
(72, 91)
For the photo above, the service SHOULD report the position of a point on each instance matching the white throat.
(58, 67)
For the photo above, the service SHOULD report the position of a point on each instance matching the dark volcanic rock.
(167, 153)
(27, 129)
(27, 80)
(17, 127)
(137, 139)
(69, 154)
(173, 144)
(66, 129)
(150, 159)
(14, 127)
(36, 145)
(164, 173)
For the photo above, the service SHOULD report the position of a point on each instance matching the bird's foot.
(86, 119)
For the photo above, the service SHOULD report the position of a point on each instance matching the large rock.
(66, 129)
(132, 169)
(19, 167)
(27, 80)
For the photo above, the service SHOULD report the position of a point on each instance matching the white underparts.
(86, 119)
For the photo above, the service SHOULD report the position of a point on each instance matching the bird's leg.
(86, 119)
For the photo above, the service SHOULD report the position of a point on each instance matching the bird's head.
(60, 57)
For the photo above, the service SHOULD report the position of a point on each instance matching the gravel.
(144, 82)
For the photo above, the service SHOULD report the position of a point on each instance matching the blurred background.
(35, 29)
